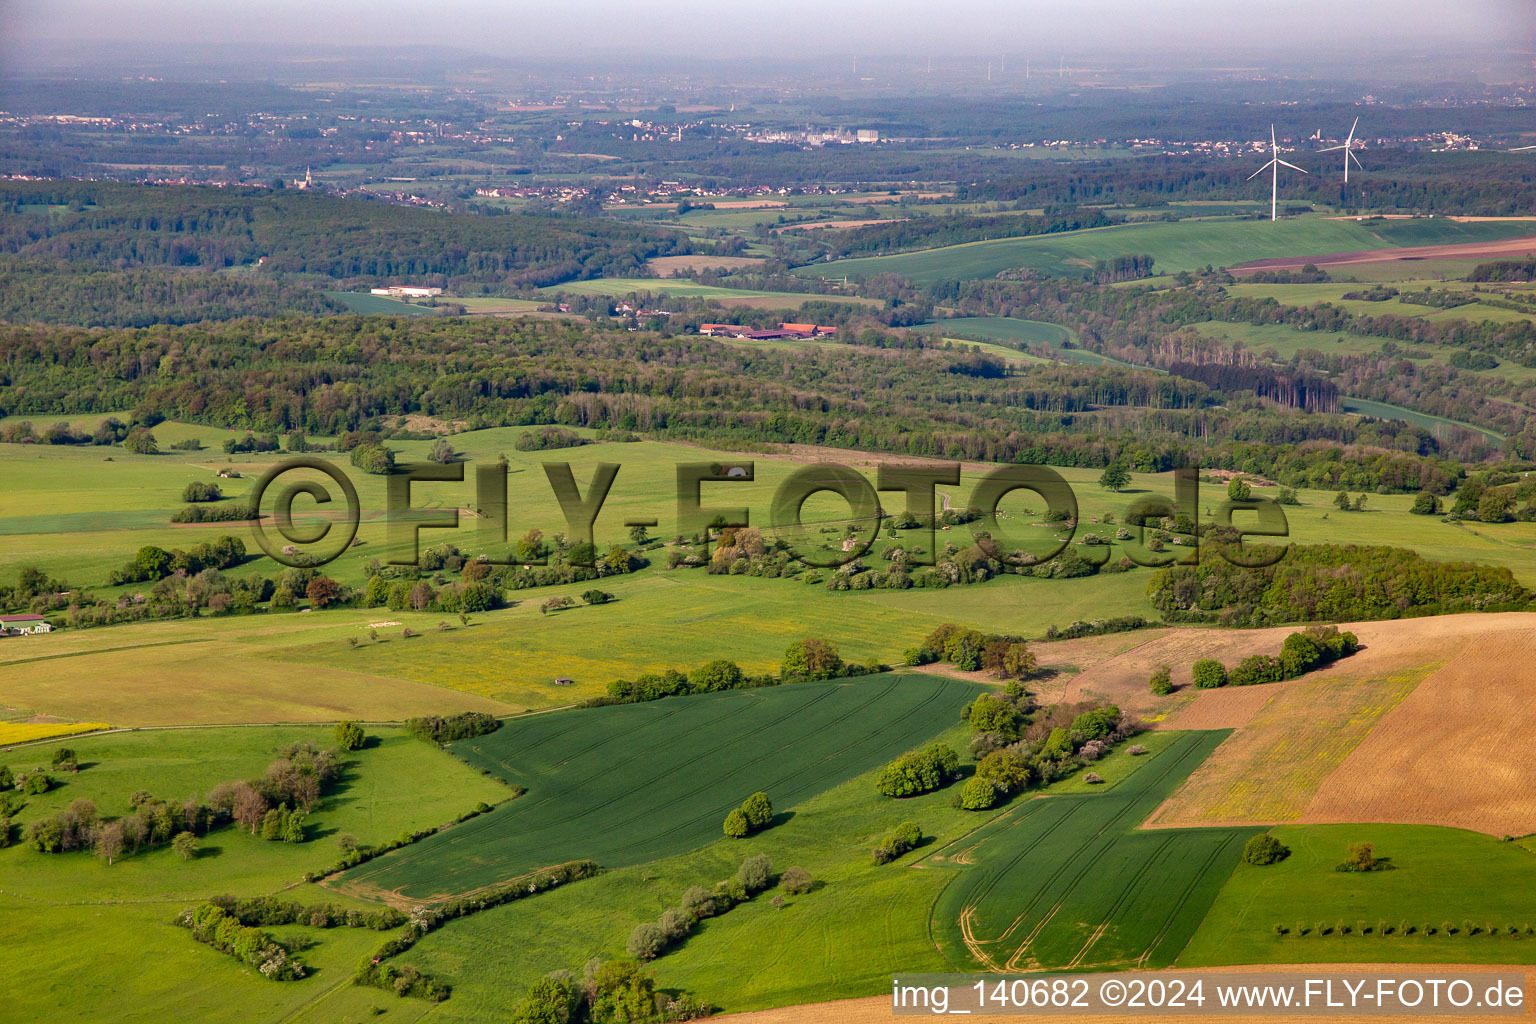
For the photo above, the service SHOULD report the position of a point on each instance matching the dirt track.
(1509, 248)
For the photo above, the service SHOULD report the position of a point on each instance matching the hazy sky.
(725, 28)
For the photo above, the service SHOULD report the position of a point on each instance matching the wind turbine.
(1349, 151)
(1274, 162)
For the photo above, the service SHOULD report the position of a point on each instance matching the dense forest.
(119, 226)
(333, 374)
(55, 291)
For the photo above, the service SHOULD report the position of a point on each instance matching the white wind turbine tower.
(1349, 151)
(1274, 163)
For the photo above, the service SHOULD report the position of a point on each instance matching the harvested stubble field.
(1448, 754)
(1273, 767)
(633, 783)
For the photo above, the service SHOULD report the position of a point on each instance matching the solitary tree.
(638, 534)
(1238, 489)
(736, 825)
(1114, 477)
(185, 844)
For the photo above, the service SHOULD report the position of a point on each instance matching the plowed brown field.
(1455, 751)
(1277, 763)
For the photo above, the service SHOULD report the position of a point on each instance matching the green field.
(96, 942)
(1064, 882)
(628, 784)
(1440, 878)
(1181, 245)
(1435, 424)
(79, 517)
(1022, 333)
(369, 304)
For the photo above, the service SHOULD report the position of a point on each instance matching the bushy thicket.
(1099, 627)
(970, 650)
(447, 728)
(1341, 583)
(919, 771)
(1034, 746)
(899, 840)
(1301, 652)
(215, 926)
(270, 910)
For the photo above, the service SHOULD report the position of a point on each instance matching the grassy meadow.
(1440, 878)
(260, 667)
(97, 942)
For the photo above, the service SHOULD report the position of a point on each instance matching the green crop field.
(1181, 245)
(1063, 882)
(632, 783)
(1440, 878)
(863, 923)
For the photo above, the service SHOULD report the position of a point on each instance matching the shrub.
(1362, 857)
(1093, 778)
(37, 784)
(1209, 674)
(1425, 504)
(755, 873)
(445, 729)
(1257, 669)
(796, 880)
(899, 840)
(920, 771)
(1265, 849)
(811, 658)
(647, 941)
(198, 490)
(1161, 681)
(64, 758)
(349, 736)
(978, 794)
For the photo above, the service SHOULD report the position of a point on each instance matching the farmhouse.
(23, 625)
(784, 331)
(406, 291)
